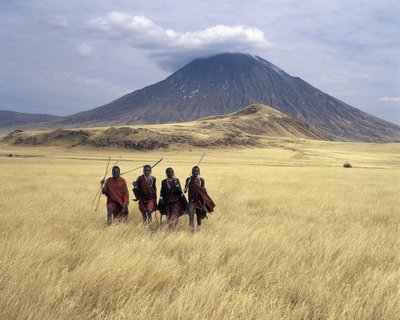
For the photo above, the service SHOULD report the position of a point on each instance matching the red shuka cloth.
(198, 195)
(148, 195)
(174, 203)
(116, 190)
(117, 210)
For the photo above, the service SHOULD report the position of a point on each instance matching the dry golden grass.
(294, 236)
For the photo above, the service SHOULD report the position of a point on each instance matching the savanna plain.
(294, 236)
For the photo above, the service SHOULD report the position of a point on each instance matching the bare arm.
(186, 185)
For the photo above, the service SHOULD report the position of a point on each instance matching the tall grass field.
(294, 236)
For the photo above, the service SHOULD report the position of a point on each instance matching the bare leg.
(174, 215)
(198, 216)
(168, 214)
(174, 222)
(109, 216)
(144, 217)
(191, 216)
(169, 220)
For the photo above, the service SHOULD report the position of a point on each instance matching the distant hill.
(225, 83)
(13, 119)
(247, 127)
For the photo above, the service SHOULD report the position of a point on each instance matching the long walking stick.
(201, 159)
(156, 163)
(98, 195)
(137, 168)
(105, 173)
(134, 169)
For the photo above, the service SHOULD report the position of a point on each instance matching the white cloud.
(85, 49)
(171, 48)
(60, 22)
(389, 99)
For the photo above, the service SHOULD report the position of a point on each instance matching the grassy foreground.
(294, 236)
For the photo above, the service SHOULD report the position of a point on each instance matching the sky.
(62, 57)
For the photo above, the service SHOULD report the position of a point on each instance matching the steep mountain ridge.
(225, 83)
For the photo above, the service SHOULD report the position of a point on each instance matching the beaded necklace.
(149, 180)
(172, 181)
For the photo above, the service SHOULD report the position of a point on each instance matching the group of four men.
(172, 202)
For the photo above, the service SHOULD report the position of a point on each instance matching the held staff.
(98, 194)
(137, 168)
(198, 165)
(105, 174)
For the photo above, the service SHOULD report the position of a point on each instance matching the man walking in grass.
(117, 193)
(199, 201)
(172, 201)
(145, 191)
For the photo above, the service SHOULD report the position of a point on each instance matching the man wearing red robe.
(199, 201)
(172, 201)
(146, 192)
(117, 196)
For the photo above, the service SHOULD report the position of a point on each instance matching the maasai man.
(172, 201)
(117, 196)
(145, 190)
(199, 200)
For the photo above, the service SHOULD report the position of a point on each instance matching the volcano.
(226, 83)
